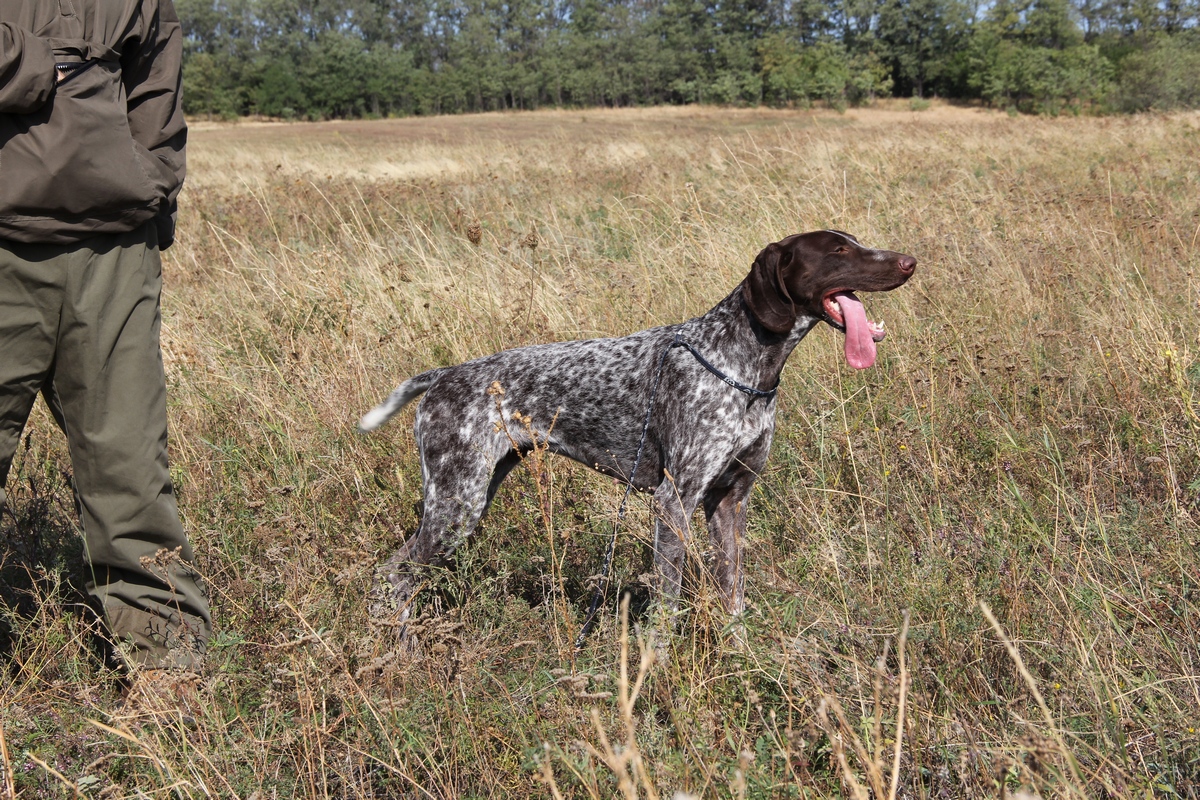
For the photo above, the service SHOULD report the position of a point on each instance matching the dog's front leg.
(725, 509)
(392, 593)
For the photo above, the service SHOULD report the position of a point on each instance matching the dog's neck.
(755, 356)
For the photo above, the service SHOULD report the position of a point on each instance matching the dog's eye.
(842, 249)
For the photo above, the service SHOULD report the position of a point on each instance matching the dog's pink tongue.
(860, 346)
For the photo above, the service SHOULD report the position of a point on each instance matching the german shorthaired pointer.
(692, 404)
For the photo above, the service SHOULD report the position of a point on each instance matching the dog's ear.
(766, 293)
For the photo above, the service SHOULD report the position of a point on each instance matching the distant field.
(1028, 443)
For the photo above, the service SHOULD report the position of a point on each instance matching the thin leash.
(678, 341)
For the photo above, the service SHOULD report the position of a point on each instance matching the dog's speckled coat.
(706, 441)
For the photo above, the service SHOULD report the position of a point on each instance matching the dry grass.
(1019, 473)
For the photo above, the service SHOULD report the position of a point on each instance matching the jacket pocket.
(75, 158)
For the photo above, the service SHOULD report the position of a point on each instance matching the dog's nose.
(907, 264)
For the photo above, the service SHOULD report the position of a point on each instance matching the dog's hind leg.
(673, 505)
(504, 466)
(457, 491)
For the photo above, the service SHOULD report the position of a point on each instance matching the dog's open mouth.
(846, 312)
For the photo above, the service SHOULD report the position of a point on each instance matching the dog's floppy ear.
(765, 292)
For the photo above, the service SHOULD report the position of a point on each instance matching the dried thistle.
(475, 232)
(161, 562)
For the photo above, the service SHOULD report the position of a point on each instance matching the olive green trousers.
(80, 324)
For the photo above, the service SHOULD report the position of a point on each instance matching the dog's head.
(816, 274)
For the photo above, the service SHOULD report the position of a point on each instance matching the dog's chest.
(757, 418)
(721, 422)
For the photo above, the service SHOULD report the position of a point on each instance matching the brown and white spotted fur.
(706, 442)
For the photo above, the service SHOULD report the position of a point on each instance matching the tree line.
(322, 59)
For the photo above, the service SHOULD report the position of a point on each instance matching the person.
(92, 140)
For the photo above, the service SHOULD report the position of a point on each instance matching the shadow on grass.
(43, 568)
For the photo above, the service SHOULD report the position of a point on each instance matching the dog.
(685, 411)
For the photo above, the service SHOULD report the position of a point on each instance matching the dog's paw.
(734, 633)
(389, 603)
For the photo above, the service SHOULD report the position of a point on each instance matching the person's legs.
(31, 288)
(109, 391)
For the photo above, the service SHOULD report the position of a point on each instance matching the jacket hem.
(51, 230)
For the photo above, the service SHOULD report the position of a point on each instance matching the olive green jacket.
(100, 150)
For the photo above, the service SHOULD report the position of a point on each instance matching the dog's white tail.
(404, 394)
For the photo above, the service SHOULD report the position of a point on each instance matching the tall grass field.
(973, 570)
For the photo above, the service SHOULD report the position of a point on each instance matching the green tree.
(391, 80)
(277, 91)
(334, 74)
(1029, 54)
(1162, 75)
(796, 73)
(684, 38)
(919, 40)
(210, 91)
(609, 57)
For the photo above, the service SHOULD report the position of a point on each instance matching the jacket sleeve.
(152, 72)
(26, 71)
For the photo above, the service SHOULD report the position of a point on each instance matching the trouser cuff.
(170, 640)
